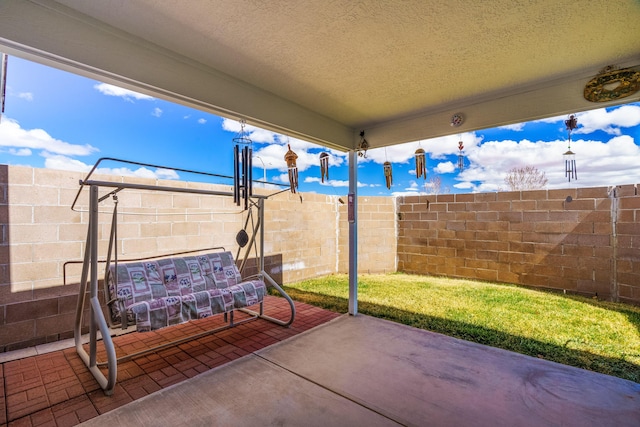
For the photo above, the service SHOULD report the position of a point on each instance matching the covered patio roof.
(324, 71)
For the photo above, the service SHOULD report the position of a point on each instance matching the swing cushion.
(164, 292)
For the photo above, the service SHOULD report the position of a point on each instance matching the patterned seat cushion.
(156, 294)
(221, 269)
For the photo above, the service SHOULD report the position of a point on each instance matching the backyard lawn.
(582, 332)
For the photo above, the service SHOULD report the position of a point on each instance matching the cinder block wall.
(626, 238)
(587, 244)
(585, 241)
(40, 234)
(377, 236)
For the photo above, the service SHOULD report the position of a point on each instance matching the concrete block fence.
(584, 241)
(304, 238)
(579, 240)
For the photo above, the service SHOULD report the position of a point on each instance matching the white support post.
(353, 232)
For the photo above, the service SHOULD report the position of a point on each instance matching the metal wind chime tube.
(3, 81)
(242, 168)
(570, 170)
(460, 156)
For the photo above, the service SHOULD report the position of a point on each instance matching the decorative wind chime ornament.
(242, 169)
(388, 174)
(570, 170)
(460, 156)
(363, 146)
(324, 166)
(421, 163)
(290, 157)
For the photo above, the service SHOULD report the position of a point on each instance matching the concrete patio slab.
(248, 391)
(418, 377)
(362, 371)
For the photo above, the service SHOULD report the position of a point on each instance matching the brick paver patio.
(56, 389)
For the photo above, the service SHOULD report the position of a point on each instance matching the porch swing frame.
(89, 275)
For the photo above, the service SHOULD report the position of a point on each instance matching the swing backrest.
(177, 276)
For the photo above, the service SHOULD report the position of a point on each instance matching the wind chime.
(388, 174)
(3, 81)
(290, 157)
(421, 163)
(324, 166)
(460, 156)
(242, 168)
(363, 146)
(570, 170)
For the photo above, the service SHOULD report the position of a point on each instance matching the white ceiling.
(323, 70)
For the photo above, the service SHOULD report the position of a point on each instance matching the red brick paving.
(56, 389)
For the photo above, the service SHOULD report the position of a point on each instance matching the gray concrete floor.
(362, 371)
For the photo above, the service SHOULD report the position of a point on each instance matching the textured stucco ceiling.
(397, 69)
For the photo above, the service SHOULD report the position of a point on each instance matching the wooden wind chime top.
(290, 158)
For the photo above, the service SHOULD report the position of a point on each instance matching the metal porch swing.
(90, 272)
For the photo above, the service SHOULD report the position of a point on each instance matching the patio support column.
(353, 232)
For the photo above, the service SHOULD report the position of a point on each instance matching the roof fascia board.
(541, 101)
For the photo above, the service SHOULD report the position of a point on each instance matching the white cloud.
(157, 112)
(612, 162)
(12, 135)
(517, 127)
(327, 182)
(273, 157)
(27, 96)
(60, 162)
(444, 167)
(255, 134)
(20, 152)
(126, 94)
(335, 182)
(413, 186)
(608, 121)
(437, 148)
(273, 154)
(202, 121)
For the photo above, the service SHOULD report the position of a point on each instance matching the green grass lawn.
(590, 334)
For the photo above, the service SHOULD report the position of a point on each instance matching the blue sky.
(55, 119)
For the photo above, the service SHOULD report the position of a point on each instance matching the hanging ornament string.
(570, 170)
(421, 163)
(290, 157)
